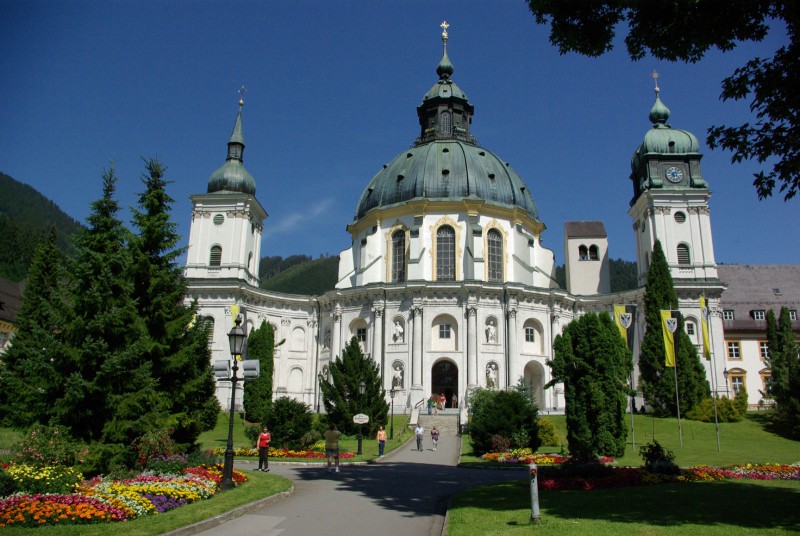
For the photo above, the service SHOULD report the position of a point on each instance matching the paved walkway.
(404, 494)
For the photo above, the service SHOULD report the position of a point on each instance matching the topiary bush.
(508, 414)
(727, 411)
(288, 421)
(548, 433)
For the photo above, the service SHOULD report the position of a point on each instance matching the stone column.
(513, 356)
(472, 347)
(416, 355)
(336, 333)
(377, 334)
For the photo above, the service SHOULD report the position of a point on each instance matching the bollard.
(534, 494)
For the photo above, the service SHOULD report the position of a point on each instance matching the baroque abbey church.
(446, 284)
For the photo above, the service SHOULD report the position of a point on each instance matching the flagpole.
(677, 401)
(713, 363)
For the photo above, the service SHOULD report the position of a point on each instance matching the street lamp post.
(725, 374)
(236, 338)
(391, 423)
(361, 388)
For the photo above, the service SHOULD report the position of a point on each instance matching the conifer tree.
(258, 392)
(341, 398)
(656, 380)
(784, 364)
(594, 363)
(177, 346)
(29, 379)
(109, 393)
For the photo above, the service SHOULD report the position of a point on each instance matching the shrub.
(657, 459)
(726, 411)
(172, 464)
(288, 421)
(251, 433)
(500, 443)
(548, 434)
(49, 445)
(503, 413)
(740, 401)
(309, 439)
(154, 443)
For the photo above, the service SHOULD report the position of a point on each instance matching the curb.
(217, 520)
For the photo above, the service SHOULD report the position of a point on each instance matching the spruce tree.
(594, 363)
(656, 380)
(784, 364)
(28, 376)
(340, 395)
(258, 392)
(109, 393)
(177, 343)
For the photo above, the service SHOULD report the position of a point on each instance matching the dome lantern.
(232, 176)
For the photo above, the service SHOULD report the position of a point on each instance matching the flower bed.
(100, 500)
(281, 453)
(526, 456)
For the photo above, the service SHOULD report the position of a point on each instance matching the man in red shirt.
(263, 450)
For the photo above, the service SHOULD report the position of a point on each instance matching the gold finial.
(444, 27)
(655, 76)
(241, 91)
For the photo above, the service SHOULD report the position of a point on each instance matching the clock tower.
(670, 200)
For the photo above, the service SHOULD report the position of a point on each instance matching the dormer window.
(758, 314)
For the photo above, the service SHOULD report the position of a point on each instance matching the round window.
(218, 219)
(680, 217)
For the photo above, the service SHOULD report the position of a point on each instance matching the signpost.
(360, 419)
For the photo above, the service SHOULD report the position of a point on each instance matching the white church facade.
(446, 284)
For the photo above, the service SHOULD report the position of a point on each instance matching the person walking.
(263, 450)
(435, 437)
(430, 405)
(381, 437)
(332, 446)
(419, 432)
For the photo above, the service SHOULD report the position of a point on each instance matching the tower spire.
(445, 68)
(659, 113)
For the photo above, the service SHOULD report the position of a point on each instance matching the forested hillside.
(26, 216)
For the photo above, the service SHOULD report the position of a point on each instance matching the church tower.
(670, 201)
(227, 221)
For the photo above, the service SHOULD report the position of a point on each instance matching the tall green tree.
(340, 395)
(593, 362)
(176, 343)
(28, 376)
(109, 392)
(784, 364)
(685, 30)
(258, 392)
(656, 380)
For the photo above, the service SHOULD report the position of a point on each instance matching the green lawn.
(743, 442)
(707, 508)
(704, 509)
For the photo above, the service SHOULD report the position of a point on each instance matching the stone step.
(446, 424)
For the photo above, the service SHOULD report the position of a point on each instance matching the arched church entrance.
(534, 378)
(444, 379)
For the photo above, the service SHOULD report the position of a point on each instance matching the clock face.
(674, 174)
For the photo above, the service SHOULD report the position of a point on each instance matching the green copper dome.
(232, 176)
(662, 139)
(446, 162)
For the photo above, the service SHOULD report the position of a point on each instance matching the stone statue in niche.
(399, 335)
(491, 333)
(397, 377)
(491, 376)
(326, 341)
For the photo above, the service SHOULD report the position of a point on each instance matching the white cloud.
(294, 220)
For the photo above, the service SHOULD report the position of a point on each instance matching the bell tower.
(670, 200)
(227, 221)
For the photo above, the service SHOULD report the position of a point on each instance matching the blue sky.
(332, 94)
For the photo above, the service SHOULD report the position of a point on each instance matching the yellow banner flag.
(704, 327)
(669, 325)
(624, 317)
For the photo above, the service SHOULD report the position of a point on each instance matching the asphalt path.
(405, 494)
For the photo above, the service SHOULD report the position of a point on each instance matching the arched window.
(215, 259)
(398, 256)
(495, 255)
(593, 253)
(445, 254)
(445, 124)
(683, 254)
(583, 253)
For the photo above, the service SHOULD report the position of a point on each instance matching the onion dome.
(232, 176)
(445, 161)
